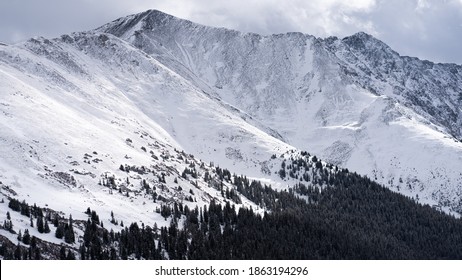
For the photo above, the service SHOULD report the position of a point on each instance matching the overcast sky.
(428, 29)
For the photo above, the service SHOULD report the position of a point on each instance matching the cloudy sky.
(428, 29)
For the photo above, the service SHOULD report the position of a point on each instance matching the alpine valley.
(152, 137)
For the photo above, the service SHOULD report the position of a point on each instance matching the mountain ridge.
(284, 78)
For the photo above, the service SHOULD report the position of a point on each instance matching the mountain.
(72, 113)
(353, 101)
(147, 115)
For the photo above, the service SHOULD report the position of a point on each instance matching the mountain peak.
(157, 16)
(153, 13)
(125, 26)
(361, 40)
(364, 44)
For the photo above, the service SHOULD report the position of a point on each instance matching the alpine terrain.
(152, 137)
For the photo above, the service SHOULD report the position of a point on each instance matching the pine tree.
(46, 228)
(69, 236)
(26, 237)
(94, 217)
(70, 255)
(17, 252)
(4, 251)
(82, 252)
(59, 233)
(33, 242)
(62, 252)
(56, 220)
(8, 225)
(40, 226)
(37, 255)
(113, 221)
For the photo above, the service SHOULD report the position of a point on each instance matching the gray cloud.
(429, 29)
(426, 29)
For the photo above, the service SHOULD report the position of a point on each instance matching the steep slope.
(352, 101)
(76, 108)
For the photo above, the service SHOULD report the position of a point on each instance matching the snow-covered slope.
(76, 108)
(113, 118)
(352, 101)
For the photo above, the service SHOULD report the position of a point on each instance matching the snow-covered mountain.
(76, 108)
(151, 103)
(354, 101)
(87, 120)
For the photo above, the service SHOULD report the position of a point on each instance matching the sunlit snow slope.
(353, 101)
(76, 108)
